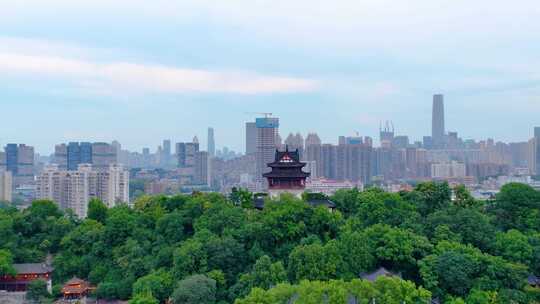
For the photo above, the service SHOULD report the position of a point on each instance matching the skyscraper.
(267, 131)
(251, 138)
(437, 123)
(202, 175)
(19, 160)
(103, 155)
(166, 153)
(537, 149)
(73, 156)
(12, 158)
(386, 133)
(185, 154)
(211, 145)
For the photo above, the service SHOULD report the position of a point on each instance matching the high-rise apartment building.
(202, 170)
(537, 150)
(166, 153)
(5, 185)
(103, 155)
(295, 142)
(12, 153)
(251, 138)
(100, 155)
(78, 153)
(313, 152)
(267, 133)
(60, 156)
(211, 144)
(401, 142)
(3, 161)
(19, 160)
(386, 134)
(451, 169)
(185, 154)
(74, 189)
(113, 185)
(437, 123)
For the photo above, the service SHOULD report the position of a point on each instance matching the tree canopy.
(211, 248)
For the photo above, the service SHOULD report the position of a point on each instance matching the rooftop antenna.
(266, 114)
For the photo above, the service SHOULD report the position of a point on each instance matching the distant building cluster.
(79, 171)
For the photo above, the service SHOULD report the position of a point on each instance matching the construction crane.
(266, 114)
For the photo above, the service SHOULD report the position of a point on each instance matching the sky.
(143, 71)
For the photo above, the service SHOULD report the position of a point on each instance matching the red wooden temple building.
(76, 289)
(26, 273)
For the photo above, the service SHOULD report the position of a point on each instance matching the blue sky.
(140, 71)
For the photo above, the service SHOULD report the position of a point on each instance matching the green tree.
(170, 227)
(358, 257)
(157, 284)
(430, 196)
(241, 197)
(6, 263)
(383, 290)
(514, 246)
(482, 297)
(454, 269)
(36, 291)
(378, 207)
(517, 206)
(221, 219)
(264, 274)
(346, 201)
(314, 262)
(397, 249)
(196, 289)
(97, 210)
(463, 197)
(469, 225)
(190, 258)
(143, 299)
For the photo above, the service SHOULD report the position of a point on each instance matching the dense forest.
(208, 248)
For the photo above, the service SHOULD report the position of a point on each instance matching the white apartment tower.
(74, 189)
(5, 185)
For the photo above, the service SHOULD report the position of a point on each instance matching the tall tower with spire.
(437, 124)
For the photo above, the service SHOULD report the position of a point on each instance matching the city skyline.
(437, 111)
(170, 69)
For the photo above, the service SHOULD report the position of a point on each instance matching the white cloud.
(135, 77)
(347, 22)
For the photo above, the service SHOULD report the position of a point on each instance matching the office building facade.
(251, 138)
(267, 135)
(211, 144)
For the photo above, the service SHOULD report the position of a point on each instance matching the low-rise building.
(26, 273)
(329, 187)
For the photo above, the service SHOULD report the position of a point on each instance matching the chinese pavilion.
(286, 174)
(76, 289)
